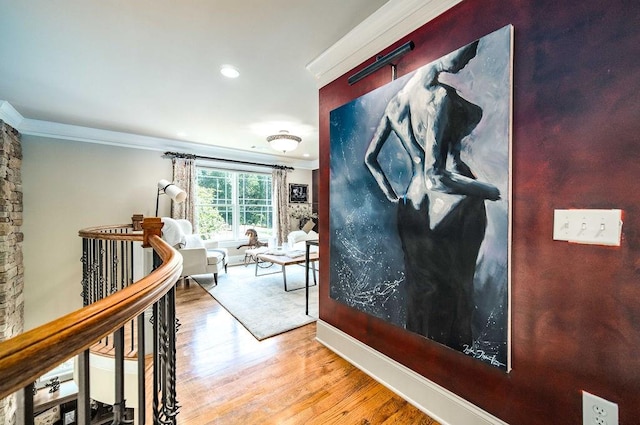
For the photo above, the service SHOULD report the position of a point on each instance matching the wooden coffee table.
(284, 261)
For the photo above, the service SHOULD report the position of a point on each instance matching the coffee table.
(284, 261)
(251, 254)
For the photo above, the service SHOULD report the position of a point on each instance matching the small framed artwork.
(298, 193)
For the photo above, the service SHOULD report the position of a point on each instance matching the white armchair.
(198, 256)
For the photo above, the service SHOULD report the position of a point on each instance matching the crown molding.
(385, 26)
(9, 115)
(53, 130)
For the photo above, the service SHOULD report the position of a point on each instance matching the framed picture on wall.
(298, 193)
(444, 224)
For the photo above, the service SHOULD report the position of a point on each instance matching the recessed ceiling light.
(229, 71)
(306, 155)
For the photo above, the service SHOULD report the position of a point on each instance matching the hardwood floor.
(225, 376)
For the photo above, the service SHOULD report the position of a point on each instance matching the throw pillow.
(172, 233)
(308, 226)
(194, 241)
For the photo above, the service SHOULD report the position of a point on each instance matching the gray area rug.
(260, 302)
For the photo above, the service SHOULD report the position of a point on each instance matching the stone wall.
(11, 265)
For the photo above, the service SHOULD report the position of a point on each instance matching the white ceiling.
(151, 68)
(145, 73)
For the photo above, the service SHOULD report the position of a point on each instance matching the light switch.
(599, 227)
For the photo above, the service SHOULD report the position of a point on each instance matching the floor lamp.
(176, 194)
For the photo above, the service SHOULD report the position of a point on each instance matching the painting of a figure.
(426, 245)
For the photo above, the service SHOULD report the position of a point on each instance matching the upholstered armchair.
(199, 256)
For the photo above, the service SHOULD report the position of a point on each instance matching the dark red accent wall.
(576, 144)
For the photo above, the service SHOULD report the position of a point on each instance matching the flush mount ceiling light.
(283, 141)
(229, 71)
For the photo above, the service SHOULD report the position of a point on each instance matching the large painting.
(419, 200)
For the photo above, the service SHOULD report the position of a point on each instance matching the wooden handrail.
(29, 355)
(101, 232)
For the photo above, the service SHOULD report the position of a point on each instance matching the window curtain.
(279, 182)
(184, 176)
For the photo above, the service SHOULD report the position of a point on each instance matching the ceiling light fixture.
(283, 141)
(229, 71)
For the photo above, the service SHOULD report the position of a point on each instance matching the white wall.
(68, 186)
(72, 185)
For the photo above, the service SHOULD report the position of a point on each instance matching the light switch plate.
(599, 227)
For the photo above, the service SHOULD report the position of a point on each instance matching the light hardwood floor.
(225, 376)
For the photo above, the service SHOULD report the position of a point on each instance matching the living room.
(573, 90)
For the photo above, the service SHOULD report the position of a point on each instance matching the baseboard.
(434, 400)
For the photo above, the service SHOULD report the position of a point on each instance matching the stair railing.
(29, 355)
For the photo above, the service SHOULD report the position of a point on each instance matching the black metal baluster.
(27, 394)
(114, 267)
(171, 407)
(119, 406)
(141, 370)
(84, 393)
(94, 268)
(162, 320)
(156, 362)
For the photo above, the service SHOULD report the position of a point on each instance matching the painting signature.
(481, 355)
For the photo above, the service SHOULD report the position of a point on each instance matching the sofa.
(296, 240)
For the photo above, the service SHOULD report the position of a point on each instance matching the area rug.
(260, 302)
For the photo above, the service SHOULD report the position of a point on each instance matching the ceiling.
(151, 69)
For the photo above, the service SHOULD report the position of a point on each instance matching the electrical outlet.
(598, 411)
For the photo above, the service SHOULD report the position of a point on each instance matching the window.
(64, 372)
(230, 202)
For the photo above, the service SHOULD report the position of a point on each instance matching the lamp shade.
(283, 141)
(174, 192)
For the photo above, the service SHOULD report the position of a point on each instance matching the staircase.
(108, 333)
